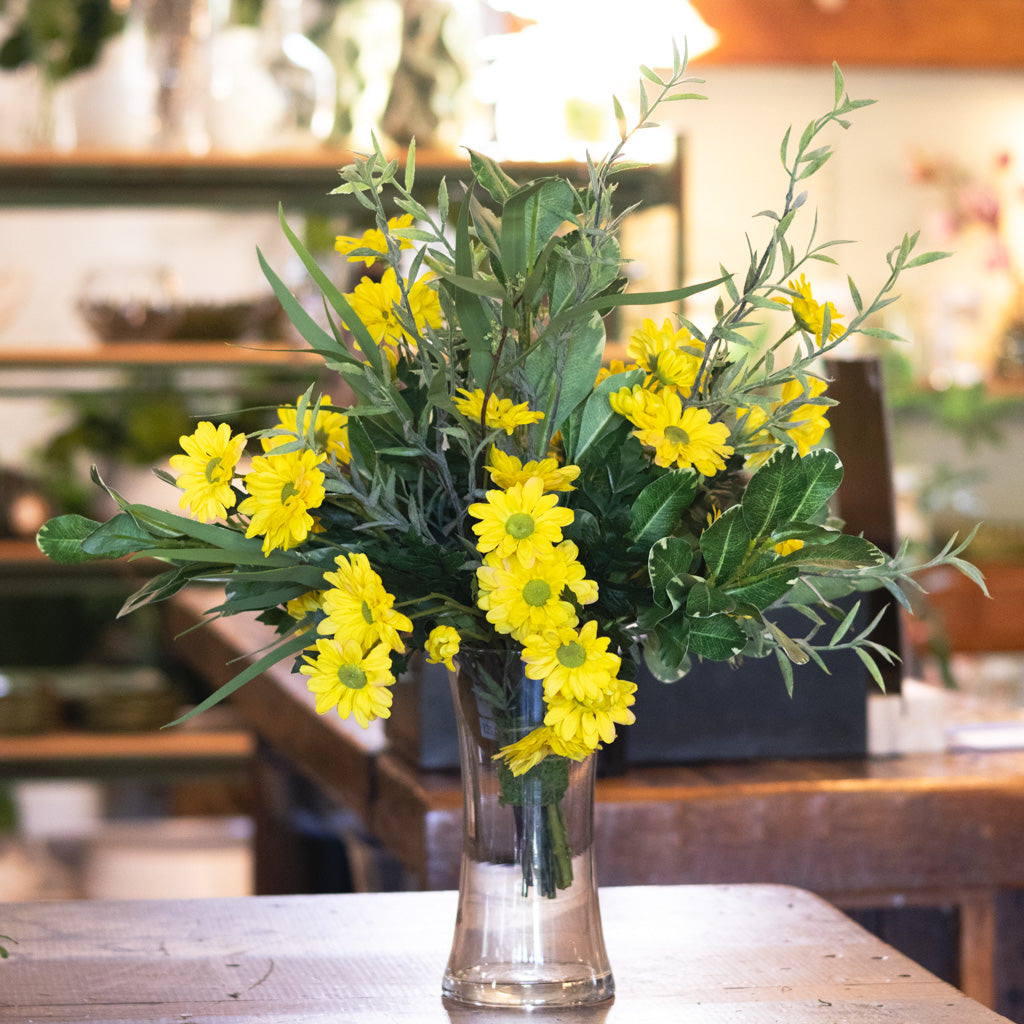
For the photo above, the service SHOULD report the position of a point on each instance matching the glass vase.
(528, 928)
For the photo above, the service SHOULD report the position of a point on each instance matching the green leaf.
(839, 84)
(656, 511)
(308, 328)
(335, 299)
(725, 543)
(529, 219)
(122, 535)
(287, 649)
(793, 651)
(598, 416)
(702, 600)
(562, 375)
(159, 588)
(410, 165)
(716, 637)
(846, 552)
(821, 473)
(61, 539)
(764, 592)
(669, 559)
(491, 176)
(666, 648)
(774, 493)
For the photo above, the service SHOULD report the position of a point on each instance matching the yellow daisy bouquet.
(483, 479)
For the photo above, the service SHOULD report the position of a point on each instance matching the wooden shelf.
(69, 753)
(184, 355)
(111, 178)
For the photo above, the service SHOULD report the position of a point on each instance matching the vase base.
(551, 985)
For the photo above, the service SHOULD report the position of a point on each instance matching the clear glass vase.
(528, 929)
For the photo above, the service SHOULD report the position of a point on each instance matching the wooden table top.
(699, 954)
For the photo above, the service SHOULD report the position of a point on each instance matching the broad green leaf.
(529, 218)
(764, 592)
(656, 511)
(845, 552)
(809, 533)
(61, 539)
(598, 415)
(668, 559)
(716, 637)
(704, 600)
(562, 374)
(122, 535)
(725, 543)
(774, 493)
(666, 648)
(822, 473)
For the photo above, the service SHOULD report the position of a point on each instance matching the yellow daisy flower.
(342, 675)
(522, 521)
(507, 470)
(809, 314)
(752, 420)
(671, 355)
(330, 430)
(592, 722)
(359, 608)
(372, 239)
(571, 663)
(282, 489)
(377, 304)
(442, 646)
(684, 437)
(787, 547)
(615, 366)
(206, 469)
(529, 751)
(502, 414)
(809, 418)
(522, 600)
(306, 604)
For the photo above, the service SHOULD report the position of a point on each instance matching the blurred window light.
(551, 81)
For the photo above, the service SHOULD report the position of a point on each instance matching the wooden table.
(933, 830)
(699, 954)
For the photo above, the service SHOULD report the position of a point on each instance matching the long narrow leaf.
(287, 649)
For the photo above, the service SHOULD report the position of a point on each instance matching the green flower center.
(352, 676)
(519, 525)
(571, 655)
(537, 593)
(367, 614)
(676, 435)
(288, 491)
(212, 471)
